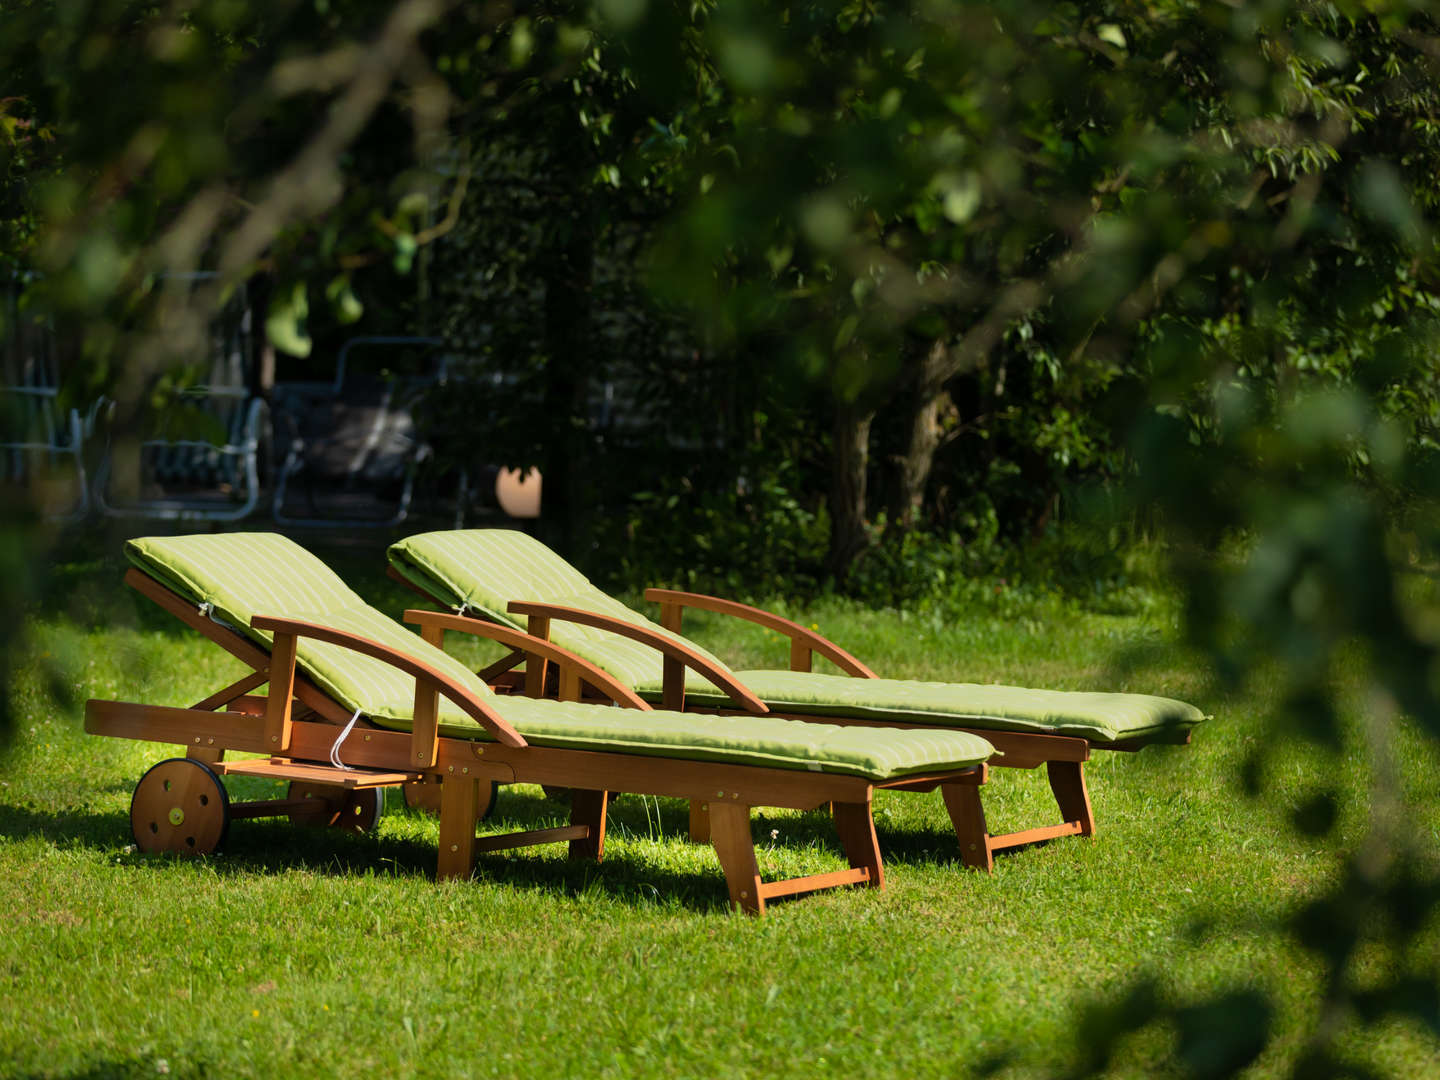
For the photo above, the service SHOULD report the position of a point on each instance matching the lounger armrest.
(430, 683)
(678, 656)
(433, 625)
(803, 642)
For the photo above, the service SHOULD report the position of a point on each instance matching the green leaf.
(405, 247)
(285, 320)
(347, 305)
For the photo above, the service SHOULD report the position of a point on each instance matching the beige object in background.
(519, 495)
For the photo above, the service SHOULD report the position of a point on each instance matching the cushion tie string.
(335, 749)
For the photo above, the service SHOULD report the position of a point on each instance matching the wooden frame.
(1063, 756)
(300, 746)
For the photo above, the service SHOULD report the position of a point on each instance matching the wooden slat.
(1018, 749)
(814, 882)
(425, 723)
(477, 709)
(1026, 750)
(967, 815)
(505, 841)
(855, 826)
(236, 690)
(535, 665)
(511, 660)
(672, 684)
(671, 649)
(536, 651)
(730, 834)
(316, 774)
(1067, 783)
(282, 691)
(186, 727)
(1034, 836)
(249, 705)
(374, 748)
(975, 775)
(800, 636)
(716, 783)
(800, 655)
(271, 808)
(587, 811)
(459, 808)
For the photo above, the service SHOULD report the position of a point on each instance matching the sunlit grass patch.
(294, 948)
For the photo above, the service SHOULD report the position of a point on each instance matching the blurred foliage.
(851, 291)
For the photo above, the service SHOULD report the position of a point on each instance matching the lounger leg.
(856, 826)
(459, 810)
(588, 808)
(967, 814)
(699, 821)
(1067, 781)
(730, 833)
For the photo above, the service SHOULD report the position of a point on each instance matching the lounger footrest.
(814, 882)
(275, 769)
(528, 839)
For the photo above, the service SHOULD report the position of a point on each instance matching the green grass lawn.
(297, 952)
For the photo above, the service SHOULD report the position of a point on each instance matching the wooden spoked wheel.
(179, 806)
(352, 809)
(425, 796)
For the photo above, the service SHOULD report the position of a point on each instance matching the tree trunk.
(922, 435)
(850, 458)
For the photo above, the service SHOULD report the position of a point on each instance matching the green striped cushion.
(245, 574)
(483, 570)
(1095, 716)
(740, 739)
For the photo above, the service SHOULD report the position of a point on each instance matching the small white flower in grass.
(774, 834)
(162, 1066)
(129, 849)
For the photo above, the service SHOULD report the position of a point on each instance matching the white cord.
(335, 749)
(206, 608)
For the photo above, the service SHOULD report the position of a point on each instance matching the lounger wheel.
(354, 810)
(179, 806)
(426, 796)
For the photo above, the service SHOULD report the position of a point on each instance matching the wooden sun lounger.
(1063, 756)
(181, 805)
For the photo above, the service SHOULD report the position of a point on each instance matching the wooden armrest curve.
(675, 650)
(473, 706)
(842, 659)
(529, 643)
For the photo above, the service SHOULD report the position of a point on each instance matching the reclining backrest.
(234, 576)
(483, 570)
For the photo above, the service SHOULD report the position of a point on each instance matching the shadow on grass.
(269, 846)
(65, 828)
(109, 1069)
